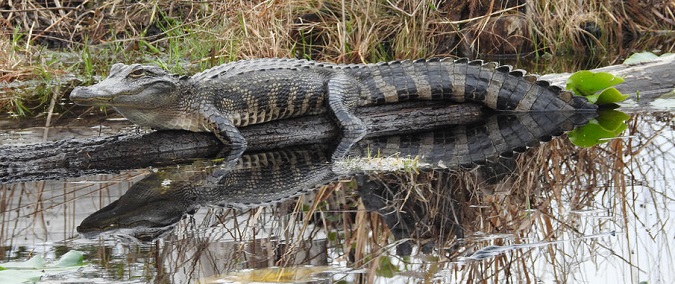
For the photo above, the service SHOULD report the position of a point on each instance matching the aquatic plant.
(35, 268)
(596, 87)
(609, 124)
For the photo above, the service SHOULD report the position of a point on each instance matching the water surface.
(554, 213)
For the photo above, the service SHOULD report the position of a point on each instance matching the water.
(554, 213)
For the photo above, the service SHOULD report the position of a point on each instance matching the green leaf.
(593, 98)
(586, 83)
(22, 271)
(612, 120)
(640, 57)
(32, 270)
(36, 262)
(12, 276)
(386, 268)
(589, 135)
(70, 259)
(610, 96)
(609, 124)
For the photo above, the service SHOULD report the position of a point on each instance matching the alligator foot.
(231, 155)
(345, 145)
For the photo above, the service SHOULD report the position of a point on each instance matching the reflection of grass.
(557, 193)
(39, 217)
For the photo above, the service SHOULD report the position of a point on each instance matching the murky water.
(554, 213)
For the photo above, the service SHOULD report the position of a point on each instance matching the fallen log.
(77, 157)
(651, 79)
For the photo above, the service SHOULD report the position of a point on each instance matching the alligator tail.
(498, 135)
(498, 87)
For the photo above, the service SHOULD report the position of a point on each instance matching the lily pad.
(609, 124)
(586, 83)
(612, 120)
(610, 96)
(12, 276)
(35, 262)
(33, 269)
(640, 57)
(69, 259)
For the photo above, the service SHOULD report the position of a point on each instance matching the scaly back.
(497, 87)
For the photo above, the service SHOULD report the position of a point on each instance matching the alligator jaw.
(88, 96)
(136, 234)
(120, 218)
(85, 96)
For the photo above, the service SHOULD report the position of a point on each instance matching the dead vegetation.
(187, 36)
(557, 205)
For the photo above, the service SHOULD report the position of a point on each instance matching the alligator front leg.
(227, 133)
(343, 96)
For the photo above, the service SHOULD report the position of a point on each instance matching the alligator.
(246, 92)
(152, 206)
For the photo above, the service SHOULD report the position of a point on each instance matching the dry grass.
(332, 30)
(189, 36)
(569, 26)
(545, 204)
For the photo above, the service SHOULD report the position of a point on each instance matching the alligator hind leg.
(343, 96)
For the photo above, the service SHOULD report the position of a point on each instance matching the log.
(651, 79)
(77, 157)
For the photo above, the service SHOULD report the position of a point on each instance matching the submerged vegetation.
(42, 41)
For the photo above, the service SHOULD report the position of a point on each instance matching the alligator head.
(149, 209)
(119, 219)
(146, 95)
(156, 203)
(136, 85)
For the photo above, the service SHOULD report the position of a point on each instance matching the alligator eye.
(136, 74)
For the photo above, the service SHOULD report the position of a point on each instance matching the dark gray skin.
(255, 91)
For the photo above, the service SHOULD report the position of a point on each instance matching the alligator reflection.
(153, 206)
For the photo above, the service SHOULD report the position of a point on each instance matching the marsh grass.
(597, 26)
(186, 37)
(568, 203)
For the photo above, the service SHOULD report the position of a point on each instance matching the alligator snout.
(88, 96)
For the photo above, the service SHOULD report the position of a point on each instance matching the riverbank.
(46, 49)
